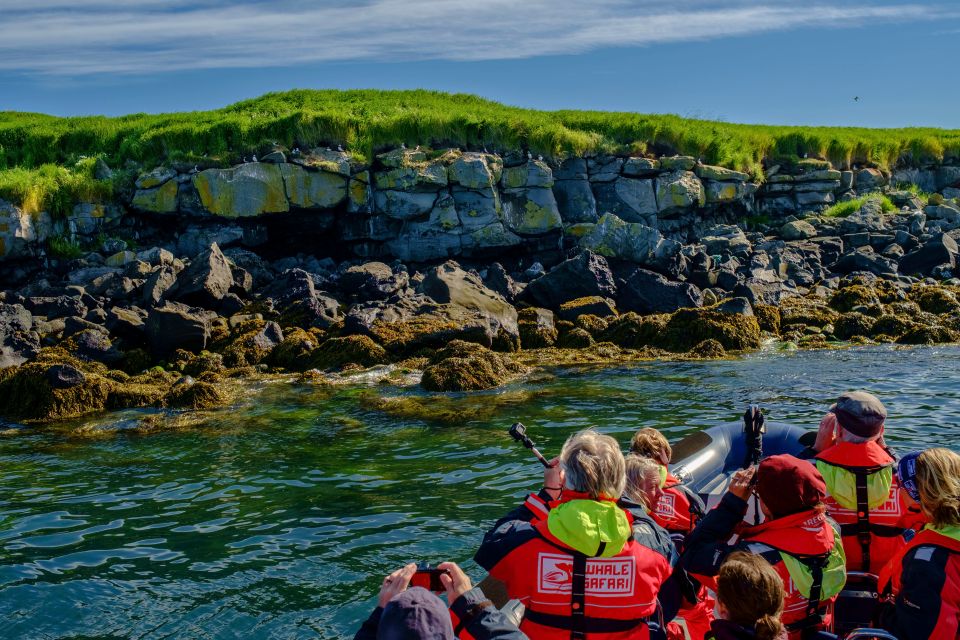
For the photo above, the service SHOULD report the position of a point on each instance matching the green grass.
(65, 248)
(53, 188)
(368, 121)
(844, 209)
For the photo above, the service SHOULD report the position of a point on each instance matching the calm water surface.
(279, 517)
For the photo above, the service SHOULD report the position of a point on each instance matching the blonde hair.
(752, 593)
(650, 443)
(938, 481)
(593, 464)
(639, 471)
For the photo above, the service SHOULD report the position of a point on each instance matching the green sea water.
(278, 517)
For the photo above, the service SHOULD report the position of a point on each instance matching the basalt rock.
(586, 275)
(206, 281)
(176, 326)
(647, 292)
(18, 341)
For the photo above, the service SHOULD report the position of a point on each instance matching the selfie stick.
(519, 433)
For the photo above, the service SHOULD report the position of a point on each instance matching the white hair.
(593, 464)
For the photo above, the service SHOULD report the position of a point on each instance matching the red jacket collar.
(569, 494)
(806, 533)
(849, 454)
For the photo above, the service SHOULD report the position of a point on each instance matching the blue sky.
(774, 62)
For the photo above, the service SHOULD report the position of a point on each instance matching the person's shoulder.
(649, 534)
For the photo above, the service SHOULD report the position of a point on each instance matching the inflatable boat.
(705, 461)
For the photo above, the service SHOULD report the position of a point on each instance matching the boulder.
(870, 180)
(721, 192)
(537, 328)
(592, 305)
(588, 274)
(604, 168)
(575, 201)
(449, 284)
(158, 284)
(941, 250)
(531, 211)
(726, 238)
(798, 230)
(689, 327)
(328, 160)
(206, 280)
(614, 238)
(18, 341)
(439, 237)
(251, 189)
(21, 233)
(421, 176)
(475, 170)
(708, 172)
(162, 199)
(155, 178)
(372, 281)
(641, 167)
(865, 260)
(677, 163)
(335, 353)
(312, 189)
(294, 293)
(403, 205)
(56, 306)
(629, 199)
(464, 366)
(679, 190)
(869, 218)
(535, 173)
(647, 292)
(176, 326)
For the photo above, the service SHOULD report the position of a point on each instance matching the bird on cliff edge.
(529, 156)
(339, 147)
(255, 159)
(403, 146)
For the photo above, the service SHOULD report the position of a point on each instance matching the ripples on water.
(279, 518)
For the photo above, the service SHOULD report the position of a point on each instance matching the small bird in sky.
(856, 98)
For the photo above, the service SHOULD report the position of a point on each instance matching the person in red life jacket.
(863, 496)
(924, 576)
(643, 488)
(417, 614)
(679, 510)
(797, 538)
(749, 600)
(589, 569)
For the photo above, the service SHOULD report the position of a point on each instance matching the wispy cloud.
(77, 37)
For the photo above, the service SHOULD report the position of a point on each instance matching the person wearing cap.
(797, 538)
(863, 496)
(914, 518)
(923, 578)
(413, 613)
(588, 568)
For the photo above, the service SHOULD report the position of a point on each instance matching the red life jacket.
(889, 579)
(567, 593)
(672, 511)
(808, 534)
(870, 535)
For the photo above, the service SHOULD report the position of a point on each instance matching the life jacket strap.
(578, 598)
(591, 625)
(863, 520)
(816, 565)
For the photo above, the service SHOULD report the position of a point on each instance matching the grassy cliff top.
(366, 121)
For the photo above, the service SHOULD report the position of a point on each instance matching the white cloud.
(63, 37)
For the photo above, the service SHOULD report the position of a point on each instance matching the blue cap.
(907, 472)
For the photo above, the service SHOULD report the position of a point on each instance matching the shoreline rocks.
(468, 266)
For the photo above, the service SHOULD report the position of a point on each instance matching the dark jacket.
(926, 583)
(472, 612)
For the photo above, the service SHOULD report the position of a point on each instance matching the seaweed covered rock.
(54, 386)
(632, 331)
(707, 349)
(891, 326)
(204, 362)
(688, 327)
(585, 275)
(295, 352)
(537, 328)
(188, 393)
(853, 324)
(334, 353)
(858, 295)
(576, 338)
(253, 347)
(936, 300)
(805, 312)
(928, 335)
(590, 305)
(466, 366)
(768, 317)
(592, 324)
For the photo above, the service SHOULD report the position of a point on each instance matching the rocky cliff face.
(419, 207)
